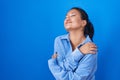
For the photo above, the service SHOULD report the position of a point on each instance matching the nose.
(67, 18)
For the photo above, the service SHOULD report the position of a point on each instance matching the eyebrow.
(72, 13)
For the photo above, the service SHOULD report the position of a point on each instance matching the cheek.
(65, 25)
(77, 23)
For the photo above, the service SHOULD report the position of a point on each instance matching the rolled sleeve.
(71, 62)
(52, 61)
(77, 55)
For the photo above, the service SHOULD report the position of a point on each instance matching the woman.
(75, 55)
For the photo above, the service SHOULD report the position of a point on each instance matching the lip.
(68, 22)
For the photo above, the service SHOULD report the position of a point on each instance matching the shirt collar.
(66, 36)
(87, 40)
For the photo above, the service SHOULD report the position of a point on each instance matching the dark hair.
(89, 29)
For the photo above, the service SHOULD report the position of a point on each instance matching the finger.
(54, 55)
(93, 45)
(93, 48)
(92, 52)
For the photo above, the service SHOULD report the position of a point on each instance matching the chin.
(68, 29)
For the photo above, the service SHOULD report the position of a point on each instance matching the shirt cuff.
(77, 55)
(52, 61)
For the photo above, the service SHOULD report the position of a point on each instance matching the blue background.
(28, 29)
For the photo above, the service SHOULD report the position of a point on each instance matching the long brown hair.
(89, 29)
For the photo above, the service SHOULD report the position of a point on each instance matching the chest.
(64, 50)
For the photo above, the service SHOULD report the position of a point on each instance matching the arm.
(71, 61)
(84, 70)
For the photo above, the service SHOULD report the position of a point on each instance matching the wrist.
(81, 50)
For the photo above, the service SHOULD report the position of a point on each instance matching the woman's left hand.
(88, 48)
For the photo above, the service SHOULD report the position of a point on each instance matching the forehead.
(73, 11)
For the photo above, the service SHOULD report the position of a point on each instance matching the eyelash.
(71, 15)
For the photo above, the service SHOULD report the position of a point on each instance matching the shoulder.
(60, 37)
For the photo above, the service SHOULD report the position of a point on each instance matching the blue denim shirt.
(72, 65)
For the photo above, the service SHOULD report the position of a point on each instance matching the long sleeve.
(70, 62)
(74, 66)
(84, 71)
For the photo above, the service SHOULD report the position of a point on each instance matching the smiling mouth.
(68, 22)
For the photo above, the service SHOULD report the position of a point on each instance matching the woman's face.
(73, 20)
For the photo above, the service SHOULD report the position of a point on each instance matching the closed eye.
(72, 15)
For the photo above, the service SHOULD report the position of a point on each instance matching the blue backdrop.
(28, 29)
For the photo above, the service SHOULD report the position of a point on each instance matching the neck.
(76, 37)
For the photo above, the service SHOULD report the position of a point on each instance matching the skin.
(75, 26)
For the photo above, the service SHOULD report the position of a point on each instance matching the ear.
(84, 22)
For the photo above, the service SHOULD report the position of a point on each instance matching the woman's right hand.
(88, 48)
(54, 56)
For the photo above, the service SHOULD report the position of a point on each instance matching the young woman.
(75, 55)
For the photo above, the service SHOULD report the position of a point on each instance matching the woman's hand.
(54, 56)
(88, 48)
